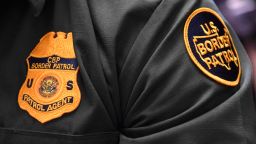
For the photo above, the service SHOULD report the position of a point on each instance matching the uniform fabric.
(138, 84)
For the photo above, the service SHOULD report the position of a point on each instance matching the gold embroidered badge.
(51, 88)
(211, 48)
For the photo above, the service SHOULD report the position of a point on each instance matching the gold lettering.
(49, 108)
(219, 55)
(220, 40)
(201, 49)
(215, 43)
(208, 46)
(215, 61)
(208, 61)
(226, 41)
(214, 28)
(233, 57)
(226, 56)
(208, 31)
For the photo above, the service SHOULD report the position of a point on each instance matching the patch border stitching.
(191, 55)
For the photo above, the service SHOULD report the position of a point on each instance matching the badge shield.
(51, 87)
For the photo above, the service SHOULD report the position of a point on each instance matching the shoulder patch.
(211, 48)
(51, 88)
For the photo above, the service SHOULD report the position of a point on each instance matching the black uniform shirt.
(148, 73)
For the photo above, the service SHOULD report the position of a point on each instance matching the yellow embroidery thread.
(195, 60)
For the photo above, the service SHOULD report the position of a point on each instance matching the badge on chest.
(51, 88)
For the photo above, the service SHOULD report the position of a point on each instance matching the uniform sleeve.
(166, 98)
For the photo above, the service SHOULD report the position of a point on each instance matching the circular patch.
(48, 86)
(211, 48)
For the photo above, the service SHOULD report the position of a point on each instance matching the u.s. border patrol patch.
(51, 88)
(211, 48)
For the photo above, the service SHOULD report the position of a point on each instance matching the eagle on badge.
(49, 86)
